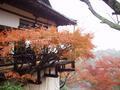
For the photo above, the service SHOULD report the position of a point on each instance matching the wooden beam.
(116, 13)
(63, 62)
(51, 75)
(66, 70)
(2, 1)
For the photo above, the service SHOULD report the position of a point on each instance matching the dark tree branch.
(103, 19)
(62, 83)
(114, 4)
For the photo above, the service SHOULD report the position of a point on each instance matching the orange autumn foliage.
(17, 76)
(104, 74)
(79, 45)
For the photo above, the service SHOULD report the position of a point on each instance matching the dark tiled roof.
(46, 2)
(43, 9)
(65, 19)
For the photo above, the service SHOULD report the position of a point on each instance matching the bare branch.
(103, 19)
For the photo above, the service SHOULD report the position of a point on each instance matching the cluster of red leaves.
(17, 76)
(104, 74)
(81, 45)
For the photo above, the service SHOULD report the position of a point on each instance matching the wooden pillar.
(38, 77)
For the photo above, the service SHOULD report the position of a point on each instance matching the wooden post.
(38, 77)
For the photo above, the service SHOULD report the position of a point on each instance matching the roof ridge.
(55, 11)
(45, 2)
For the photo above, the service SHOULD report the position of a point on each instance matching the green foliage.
(9, 85)
(64, 88)
(116, 88)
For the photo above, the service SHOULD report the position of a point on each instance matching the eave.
(36, 7)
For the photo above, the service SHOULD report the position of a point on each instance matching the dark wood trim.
(51, 75)
(23, 16)
(38, 77)
(64, 62)
(66, 70)
(116, 13)
(3, 65)
(2, 1)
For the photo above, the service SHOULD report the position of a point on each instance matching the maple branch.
(103, 19)
(114, 4)
(62, 83)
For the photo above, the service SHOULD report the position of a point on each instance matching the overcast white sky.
(104, 36)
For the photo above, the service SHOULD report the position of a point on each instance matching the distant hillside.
(98, 54)
(108, 52)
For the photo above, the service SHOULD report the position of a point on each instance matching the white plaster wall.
(47, 84)
(24, 13)
(8, 19)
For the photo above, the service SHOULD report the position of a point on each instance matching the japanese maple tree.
(71, 46)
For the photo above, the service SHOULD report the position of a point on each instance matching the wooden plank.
(66, 70)
(64, 62)
(51, 75)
